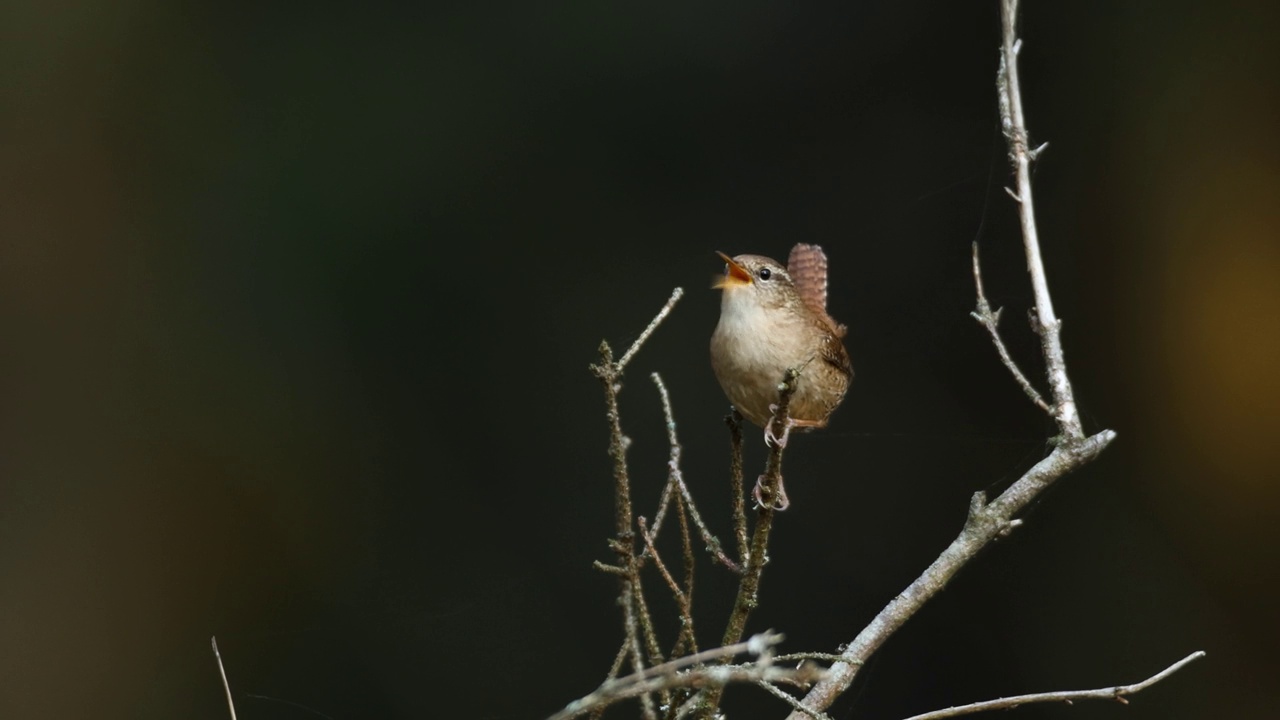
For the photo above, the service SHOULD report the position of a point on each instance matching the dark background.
(298, 303)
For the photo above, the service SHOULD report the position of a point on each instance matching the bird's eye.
(764, 274)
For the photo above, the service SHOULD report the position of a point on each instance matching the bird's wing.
(807, 267)
(832, 352)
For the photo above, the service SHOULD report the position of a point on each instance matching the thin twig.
(1117, 693)
(682, 600)
(598, 711)
(629, 620)
(1013, 122)
(990, 320)
(653, 325)
(734, 421)
(222, 671)
(794, 703)
(675, 480)
(668, 676)
(645, 620)
(690, 563)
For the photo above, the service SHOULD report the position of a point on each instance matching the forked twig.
(682, 600)
(675, 482)
(990, 320)
(1118, 693)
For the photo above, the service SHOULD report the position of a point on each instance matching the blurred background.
(298, 304)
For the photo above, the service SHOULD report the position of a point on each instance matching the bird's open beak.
(734, 274)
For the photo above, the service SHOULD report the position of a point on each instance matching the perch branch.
(734, 421)
(749, 586)
(990, 320)
(1118, 693)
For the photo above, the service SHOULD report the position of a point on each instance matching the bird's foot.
(772, 440)
(781, 502)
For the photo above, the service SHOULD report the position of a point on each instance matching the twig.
(990, 320)
(222, 671)
(734, 421)
(653, 325)
(779, 693)
(668, 676)
(686, 606)
(675, 480)
(1013, 122)
(686, 544)
(825, 657)
(1117, 693)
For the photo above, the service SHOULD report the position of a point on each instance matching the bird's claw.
(781, 502)
(772, 440)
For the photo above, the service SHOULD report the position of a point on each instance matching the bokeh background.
(298, 302)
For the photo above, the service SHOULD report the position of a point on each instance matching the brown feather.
(807, 267)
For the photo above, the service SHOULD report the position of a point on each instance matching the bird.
(774, 318)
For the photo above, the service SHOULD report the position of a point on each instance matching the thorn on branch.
(1013, 194)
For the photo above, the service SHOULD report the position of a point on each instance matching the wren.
(774, 318)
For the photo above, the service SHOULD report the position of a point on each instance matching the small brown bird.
(773, 318)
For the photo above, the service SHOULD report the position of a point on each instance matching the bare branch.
(986, 522)
(636, 622)
(682, 600)
(686, 544)
(653, 325)
(1118, 693)
(1013, 122)
(668, 676)
(222, 671)
(675, 480)
(990, 321)
(734, 421)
